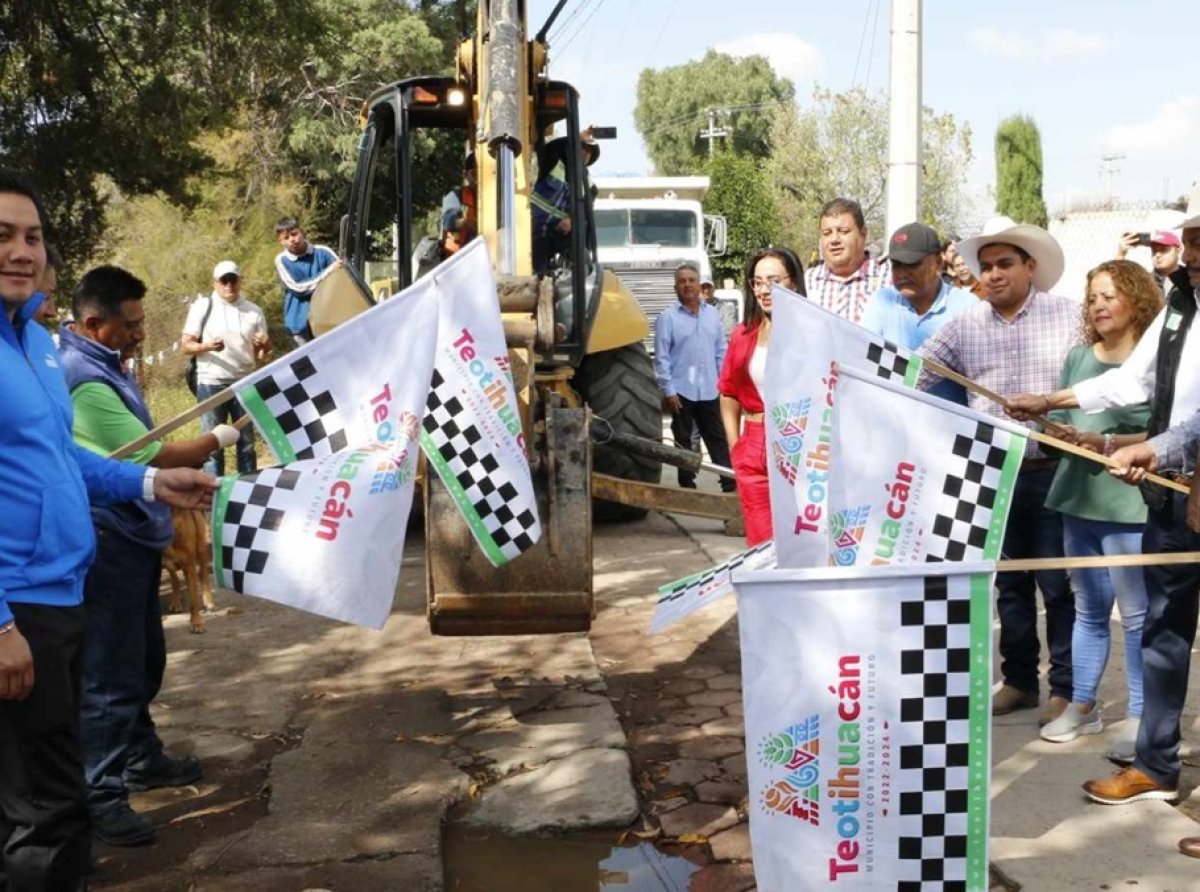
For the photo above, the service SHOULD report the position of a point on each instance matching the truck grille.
(654, 290)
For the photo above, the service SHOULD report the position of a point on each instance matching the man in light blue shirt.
(919, 301)
(689, 347)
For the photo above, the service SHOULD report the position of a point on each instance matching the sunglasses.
(228, 280)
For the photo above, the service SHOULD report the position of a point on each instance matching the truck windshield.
(618, 227)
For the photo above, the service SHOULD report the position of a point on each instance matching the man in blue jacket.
(300, 266)
(46, 546)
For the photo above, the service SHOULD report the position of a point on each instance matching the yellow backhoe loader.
(574, 331)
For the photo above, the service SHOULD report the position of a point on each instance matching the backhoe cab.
(574, 331)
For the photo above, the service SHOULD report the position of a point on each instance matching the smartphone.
(604, 133)
(1143, 239)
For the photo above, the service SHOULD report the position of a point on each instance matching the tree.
(739, 192)
(673, 103)
(838, 145)
(1019, 171)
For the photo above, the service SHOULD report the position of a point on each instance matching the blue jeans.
(1095, 590)
(226, 413)
(1034, 531)
(123, 663)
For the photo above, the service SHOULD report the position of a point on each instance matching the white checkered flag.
(799, 399)
(917, 479)
(471, 434)
(334, 392)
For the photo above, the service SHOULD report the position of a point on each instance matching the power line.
(582, 26)
(862, 39)
(871, 54)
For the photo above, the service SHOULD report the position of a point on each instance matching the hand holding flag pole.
(152, 436)
(1041, 437)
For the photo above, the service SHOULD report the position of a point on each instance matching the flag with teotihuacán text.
(867, 698)
(325, 533)
(472, 434)
(915, 478)
(807, 344)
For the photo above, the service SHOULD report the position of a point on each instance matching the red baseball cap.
(1164, 237)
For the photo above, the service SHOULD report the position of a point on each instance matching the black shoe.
(160, 770)
(122, 826)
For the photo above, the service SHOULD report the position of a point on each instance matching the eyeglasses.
(229, 280)
(766, 283)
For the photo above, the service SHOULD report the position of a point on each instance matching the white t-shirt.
(758, 366)
(234, 323)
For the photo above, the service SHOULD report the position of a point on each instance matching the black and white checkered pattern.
(250, 523)
(460, 444)
(968, 495)
(722, 574)
(308, 417)
(888, 360)
(932, 780)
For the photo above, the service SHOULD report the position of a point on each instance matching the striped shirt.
(847, 296)
(1024, 354)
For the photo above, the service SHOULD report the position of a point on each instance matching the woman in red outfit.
(741, 385)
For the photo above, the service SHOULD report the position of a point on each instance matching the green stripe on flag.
(450, 481)
(979, 764)
(220, 504)
(1004, 493)
(266, 422)
(912, 372)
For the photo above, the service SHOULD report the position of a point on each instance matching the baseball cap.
(227, 268)
(707, 280)
(913, 242)
(1165, 237)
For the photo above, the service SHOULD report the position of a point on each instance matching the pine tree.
(1019, 171)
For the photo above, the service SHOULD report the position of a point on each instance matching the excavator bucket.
(548, 588)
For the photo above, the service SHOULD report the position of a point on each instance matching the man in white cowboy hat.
(1164, 368)
(1015, 340)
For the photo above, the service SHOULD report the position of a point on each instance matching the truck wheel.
(620, 386)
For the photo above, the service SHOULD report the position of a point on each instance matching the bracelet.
(8, 627)
(1110, 444)
(148, 484)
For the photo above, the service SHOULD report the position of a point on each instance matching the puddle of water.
(479, 861)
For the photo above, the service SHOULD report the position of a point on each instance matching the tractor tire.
(620, 386)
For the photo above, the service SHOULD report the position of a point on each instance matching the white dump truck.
(648, 226)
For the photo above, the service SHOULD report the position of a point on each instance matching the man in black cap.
(919, 301)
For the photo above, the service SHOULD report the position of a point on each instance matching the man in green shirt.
(125, 654)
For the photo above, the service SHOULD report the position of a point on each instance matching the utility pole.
(713, 132)
(1108, 169)
(904, 132)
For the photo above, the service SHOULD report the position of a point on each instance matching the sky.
(1099, 77)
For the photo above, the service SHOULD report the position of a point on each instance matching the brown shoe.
(1190, 846)
(1128, 785)
(1009, 699)
(1054, 707)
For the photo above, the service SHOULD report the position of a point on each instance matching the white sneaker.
(1072, 723)
(1124, 749)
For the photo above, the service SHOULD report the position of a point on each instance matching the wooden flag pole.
(151, 436)
(1099, 561)
(1049, 440)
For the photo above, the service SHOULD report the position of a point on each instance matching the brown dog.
(189, 553)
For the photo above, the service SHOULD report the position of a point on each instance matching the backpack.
(190, 373)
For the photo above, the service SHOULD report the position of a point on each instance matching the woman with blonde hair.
(1103, 515)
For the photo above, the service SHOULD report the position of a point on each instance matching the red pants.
(750, 470)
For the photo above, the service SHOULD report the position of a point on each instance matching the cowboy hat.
(1033, 240)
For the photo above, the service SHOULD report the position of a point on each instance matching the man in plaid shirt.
(849, 275)
(1015, 341)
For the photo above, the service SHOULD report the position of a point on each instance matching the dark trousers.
(704, 416)
(1034, 531)
(123, 664)
(1167, 637)
(44, 832)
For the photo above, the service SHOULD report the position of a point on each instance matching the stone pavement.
(333, 754)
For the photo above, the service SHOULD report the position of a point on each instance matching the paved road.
(334, 753)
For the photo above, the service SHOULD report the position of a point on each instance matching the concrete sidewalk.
(1045, 835)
